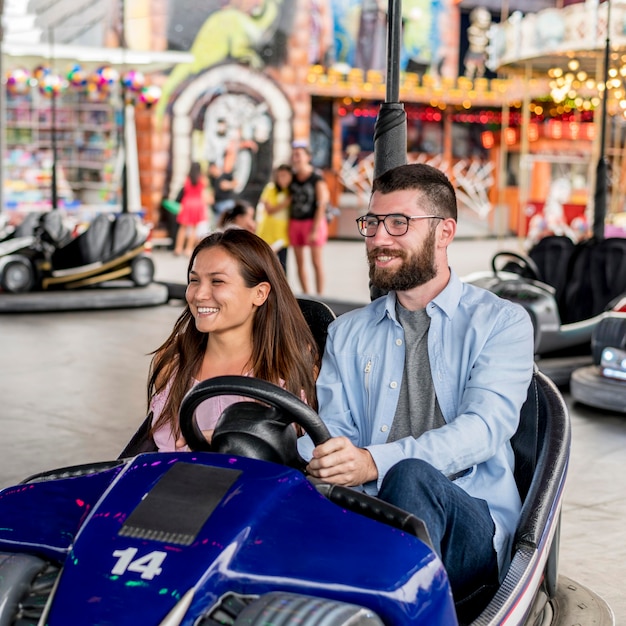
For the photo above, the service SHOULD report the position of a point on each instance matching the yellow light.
(573, 65)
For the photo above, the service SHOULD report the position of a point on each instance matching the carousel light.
(488, 140)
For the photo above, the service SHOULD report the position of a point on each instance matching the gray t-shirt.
(418, 410)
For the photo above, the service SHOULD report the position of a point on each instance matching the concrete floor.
(72, 390)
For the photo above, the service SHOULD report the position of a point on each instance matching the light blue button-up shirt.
(481, 356)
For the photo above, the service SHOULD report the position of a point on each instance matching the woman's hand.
(181, 444)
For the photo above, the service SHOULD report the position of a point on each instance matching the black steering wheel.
(521, 264)
(257, 427)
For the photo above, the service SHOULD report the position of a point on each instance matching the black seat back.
(525, 441)
(541, 446)
(318, 316)
(124, 234)
(596, 275)
(552, 256)
(90, 246)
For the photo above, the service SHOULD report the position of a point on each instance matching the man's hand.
(340, 462)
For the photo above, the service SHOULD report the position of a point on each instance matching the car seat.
(596, 275)
(91, 246)
(124, 235)
(552, 255)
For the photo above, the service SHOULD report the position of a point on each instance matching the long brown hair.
(283, 347)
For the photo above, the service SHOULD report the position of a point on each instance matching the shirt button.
(398, 342)
(393, 384)
(384, 428)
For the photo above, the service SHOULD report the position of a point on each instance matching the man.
(307, 215)
(422, 389)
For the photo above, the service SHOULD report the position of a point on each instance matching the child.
(193, 211)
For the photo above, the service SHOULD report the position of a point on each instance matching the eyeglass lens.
(395, 225)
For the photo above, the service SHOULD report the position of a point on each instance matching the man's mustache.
(376, 252)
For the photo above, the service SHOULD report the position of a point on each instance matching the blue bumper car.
(235, 532)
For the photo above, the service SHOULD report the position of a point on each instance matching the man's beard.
(415, 270)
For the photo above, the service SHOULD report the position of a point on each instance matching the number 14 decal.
(148, 566)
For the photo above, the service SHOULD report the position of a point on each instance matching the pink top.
(207, 413)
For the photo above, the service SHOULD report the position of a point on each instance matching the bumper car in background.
(38, 271)
(602, 384)
(567, 289)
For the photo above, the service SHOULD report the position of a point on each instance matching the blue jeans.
(460, 526)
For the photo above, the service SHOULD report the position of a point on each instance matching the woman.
(193, 210)
(275, 201)
(241, 318)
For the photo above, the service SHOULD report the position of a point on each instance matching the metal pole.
(123, 93)
(2, 111)
(390, 128)
(600, 195)
(53, 128)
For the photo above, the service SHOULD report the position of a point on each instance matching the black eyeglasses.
(396, 224)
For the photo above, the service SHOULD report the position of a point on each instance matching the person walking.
(308, 227)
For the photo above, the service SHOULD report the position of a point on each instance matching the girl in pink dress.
(193, 210)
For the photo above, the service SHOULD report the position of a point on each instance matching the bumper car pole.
(390, 127)
(600, 193)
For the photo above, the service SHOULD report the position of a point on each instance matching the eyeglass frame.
(362, 218)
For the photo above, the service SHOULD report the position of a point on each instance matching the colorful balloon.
(150, 94)
(133, 80)
(77, 76)
(18, 80)
(51, 85)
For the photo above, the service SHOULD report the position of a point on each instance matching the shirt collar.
(448, 300)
